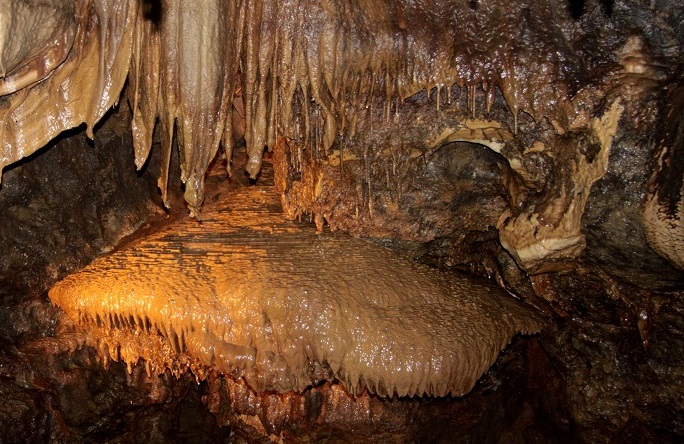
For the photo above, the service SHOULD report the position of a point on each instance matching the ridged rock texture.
(317, 73)
(251, 294)
(537, 143)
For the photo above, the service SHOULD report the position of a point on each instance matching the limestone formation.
(318, 74)
(536, 144)
(252, 295)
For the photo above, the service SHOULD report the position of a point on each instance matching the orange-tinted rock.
(253, 295)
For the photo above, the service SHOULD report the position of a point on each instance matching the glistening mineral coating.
(253, 295)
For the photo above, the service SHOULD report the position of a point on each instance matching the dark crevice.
(577, 7)
(152, 10)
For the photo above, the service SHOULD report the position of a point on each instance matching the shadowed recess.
(253, 295)
(152, 10)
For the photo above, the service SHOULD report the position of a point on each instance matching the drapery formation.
(320, 73)
(253, 295)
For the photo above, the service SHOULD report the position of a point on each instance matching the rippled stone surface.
(251, 294)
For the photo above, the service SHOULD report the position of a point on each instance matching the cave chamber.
(341, 221)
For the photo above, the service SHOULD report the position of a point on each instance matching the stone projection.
(342, 220)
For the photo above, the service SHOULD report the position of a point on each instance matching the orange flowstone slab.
(251, 294)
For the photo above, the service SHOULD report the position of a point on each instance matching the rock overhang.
(254, 296)
(319, 74)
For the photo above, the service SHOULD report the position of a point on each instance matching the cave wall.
(60, 208)
(459, 152)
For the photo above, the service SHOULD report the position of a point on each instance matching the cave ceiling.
(330, 79)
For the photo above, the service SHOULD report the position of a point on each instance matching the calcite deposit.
(534, 144)
(252, 295)
(318, 74)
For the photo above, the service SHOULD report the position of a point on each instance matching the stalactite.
(308, 72)
(82, 88)
(185, 69)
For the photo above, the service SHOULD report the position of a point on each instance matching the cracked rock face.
(536, 143)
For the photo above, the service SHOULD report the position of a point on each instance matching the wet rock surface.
(251, 294)
(53, 393)
(58, 390)
(499, 408)
(75, 200)
(59, 210)
(608, 368)
(616, 351)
